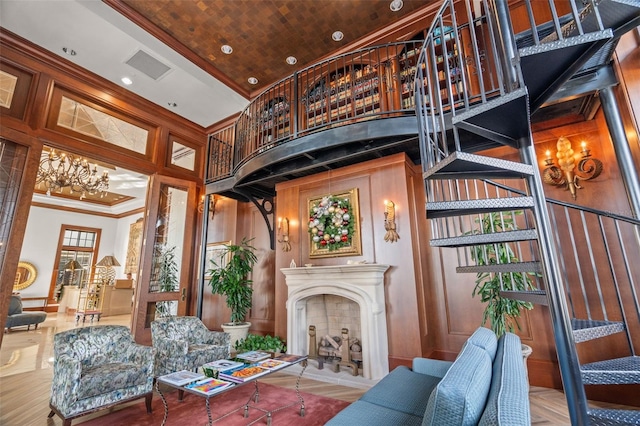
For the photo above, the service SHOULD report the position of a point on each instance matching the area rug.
(193, 411)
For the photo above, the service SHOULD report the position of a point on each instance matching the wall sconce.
(568, 174)
(283, 229)
(213, 200)
(390, 222)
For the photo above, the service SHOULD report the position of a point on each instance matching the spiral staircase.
(478, 82)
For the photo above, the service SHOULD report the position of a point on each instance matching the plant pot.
(236, 331)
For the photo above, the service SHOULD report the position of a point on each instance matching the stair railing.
(458, 67)
(597, 264)
(597, 250)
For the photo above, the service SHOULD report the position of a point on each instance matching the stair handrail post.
(621, 148)
(557, 301)
(506, 45)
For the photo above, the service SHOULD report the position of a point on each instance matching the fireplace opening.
(331, 313)
(335, 321)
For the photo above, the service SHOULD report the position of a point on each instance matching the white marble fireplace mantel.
(362, 283)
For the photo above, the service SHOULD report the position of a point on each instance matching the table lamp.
(108, 275)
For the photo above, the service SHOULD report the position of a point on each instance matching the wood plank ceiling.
(262, 33)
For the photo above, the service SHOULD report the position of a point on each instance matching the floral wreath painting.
(334, 225)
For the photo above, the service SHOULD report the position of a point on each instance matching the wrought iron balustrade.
(371, 83)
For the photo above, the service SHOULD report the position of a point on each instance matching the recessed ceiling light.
(291, 60)
(253, 80)
(226, 49)
(69, 51)
(127, 81)
(172, 104)
(337, 36)
(396, 5)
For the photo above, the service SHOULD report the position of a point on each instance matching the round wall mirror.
(25, 276)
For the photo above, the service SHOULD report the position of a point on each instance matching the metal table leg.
(164, 402)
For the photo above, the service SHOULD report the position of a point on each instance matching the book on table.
(223, 365)
(253, 356)
(290, 358)
(208, 386)
(244, 374)
(181, 378)
(272, 364)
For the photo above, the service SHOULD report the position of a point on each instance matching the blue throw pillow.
(486, 339)
(460, 396)
(508, 402)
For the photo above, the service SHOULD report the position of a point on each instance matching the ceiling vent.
(148, 65)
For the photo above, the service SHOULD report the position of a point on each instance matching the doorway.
(80, 240)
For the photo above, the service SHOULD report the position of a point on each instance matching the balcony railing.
(376, 82)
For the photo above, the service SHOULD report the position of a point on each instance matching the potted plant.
(255, 342)
(229, 278)
(167, 276)
(501, 313)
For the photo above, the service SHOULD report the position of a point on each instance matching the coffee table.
(253, 399)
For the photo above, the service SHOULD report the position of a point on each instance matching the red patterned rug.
(193, 411)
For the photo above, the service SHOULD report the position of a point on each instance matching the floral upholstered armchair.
(98, 367)
(185, 343)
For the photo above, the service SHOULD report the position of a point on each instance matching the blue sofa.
(485, 385)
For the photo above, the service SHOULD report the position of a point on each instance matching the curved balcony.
(347, 109)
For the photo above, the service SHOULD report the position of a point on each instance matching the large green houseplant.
(229, 277)
(167, 277)
(501, 313)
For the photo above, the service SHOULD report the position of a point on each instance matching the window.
(91, 122)
(76, 256)
(183, 156)
(7, 88)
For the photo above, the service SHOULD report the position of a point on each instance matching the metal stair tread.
(466, 207)
(489, 105)
(609, 417)
(617, 371)
(566, 42)
(537, 297)
(584, 329)
(464, 165)
(533, 267)
(480, 239)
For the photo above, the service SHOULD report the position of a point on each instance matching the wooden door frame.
(13, 245)
(140, 320)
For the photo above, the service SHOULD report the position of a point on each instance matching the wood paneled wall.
(389, 178)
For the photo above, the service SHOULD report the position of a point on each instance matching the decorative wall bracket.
(265, 206)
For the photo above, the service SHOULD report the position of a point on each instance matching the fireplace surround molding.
(362, 283)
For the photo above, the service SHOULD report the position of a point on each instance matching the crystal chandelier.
(59, 171)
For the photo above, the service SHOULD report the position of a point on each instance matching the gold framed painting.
(334, 225)
(215, 252)
(134, 247)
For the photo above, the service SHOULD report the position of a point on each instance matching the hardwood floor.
(26, 370)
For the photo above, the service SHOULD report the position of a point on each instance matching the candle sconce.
(283, 230)
(212, 204)
(390, 222)
(570, 170)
